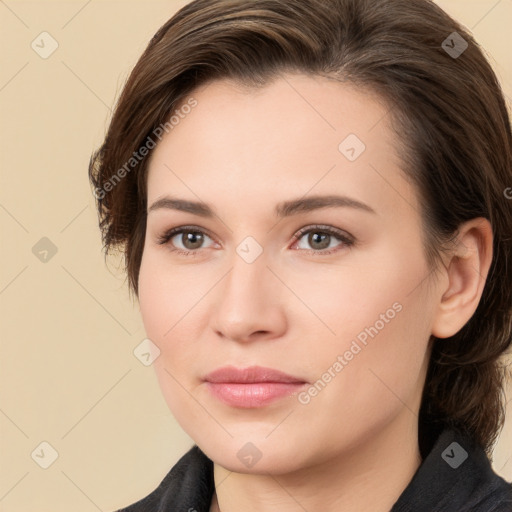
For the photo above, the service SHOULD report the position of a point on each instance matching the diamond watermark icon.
(454, 45)
(352, 147)
(454, 455)
(146, 352)
(249, 454)
(249, 250)
(44, 45)
(44, 250)
(44, 455)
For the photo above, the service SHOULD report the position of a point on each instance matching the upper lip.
(248, 375)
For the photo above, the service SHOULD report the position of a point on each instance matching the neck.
(370, 476)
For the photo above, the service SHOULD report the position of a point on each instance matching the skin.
(354, 445)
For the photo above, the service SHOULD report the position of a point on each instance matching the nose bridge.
(246, 301)
(249, 268)
(247, 280)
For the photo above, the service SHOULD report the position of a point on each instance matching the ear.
(466, 274)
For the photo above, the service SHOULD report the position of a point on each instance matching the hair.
(447, 110)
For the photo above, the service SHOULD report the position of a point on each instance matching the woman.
(362, 373)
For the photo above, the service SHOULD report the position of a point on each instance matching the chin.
(254, 453)
(253, 458)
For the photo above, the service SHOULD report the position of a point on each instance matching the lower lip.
(255, 394)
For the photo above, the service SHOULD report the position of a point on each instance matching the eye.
(190, 238)
(320, 238)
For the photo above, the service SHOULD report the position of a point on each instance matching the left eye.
(194, 237)
(320, 238)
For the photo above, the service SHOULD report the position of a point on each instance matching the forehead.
(294, 135)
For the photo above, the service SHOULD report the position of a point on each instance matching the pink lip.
(255, 386)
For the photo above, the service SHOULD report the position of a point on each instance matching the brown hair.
(448, 111)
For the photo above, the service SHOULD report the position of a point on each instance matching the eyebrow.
(284, 209)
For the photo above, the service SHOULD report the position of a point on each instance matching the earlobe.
(466, 272)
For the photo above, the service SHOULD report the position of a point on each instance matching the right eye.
(190, 237)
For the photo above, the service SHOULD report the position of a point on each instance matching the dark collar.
(456, 476)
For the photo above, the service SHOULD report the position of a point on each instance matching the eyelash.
(347, 240)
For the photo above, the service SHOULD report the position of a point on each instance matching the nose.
(249, 303)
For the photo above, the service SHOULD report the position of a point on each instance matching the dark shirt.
(456, 476)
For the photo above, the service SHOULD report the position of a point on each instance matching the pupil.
(194, 238)
(314, 239)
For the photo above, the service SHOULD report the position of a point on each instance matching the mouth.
(251, 387)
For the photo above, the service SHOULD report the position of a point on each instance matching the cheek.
(167, 293)
(380, 314)
(172, 301)
(346, 300)
(165, 298)
(383, 348)
(152, 298)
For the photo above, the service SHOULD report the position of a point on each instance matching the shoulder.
(456, 476)
(489, 491)
(494, 496)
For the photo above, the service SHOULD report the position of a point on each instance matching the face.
(265, 272)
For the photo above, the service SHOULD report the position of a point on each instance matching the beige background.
(68, 375)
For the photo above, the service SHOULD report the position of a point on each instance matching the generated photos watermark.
(144, 150)
(356, 347)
